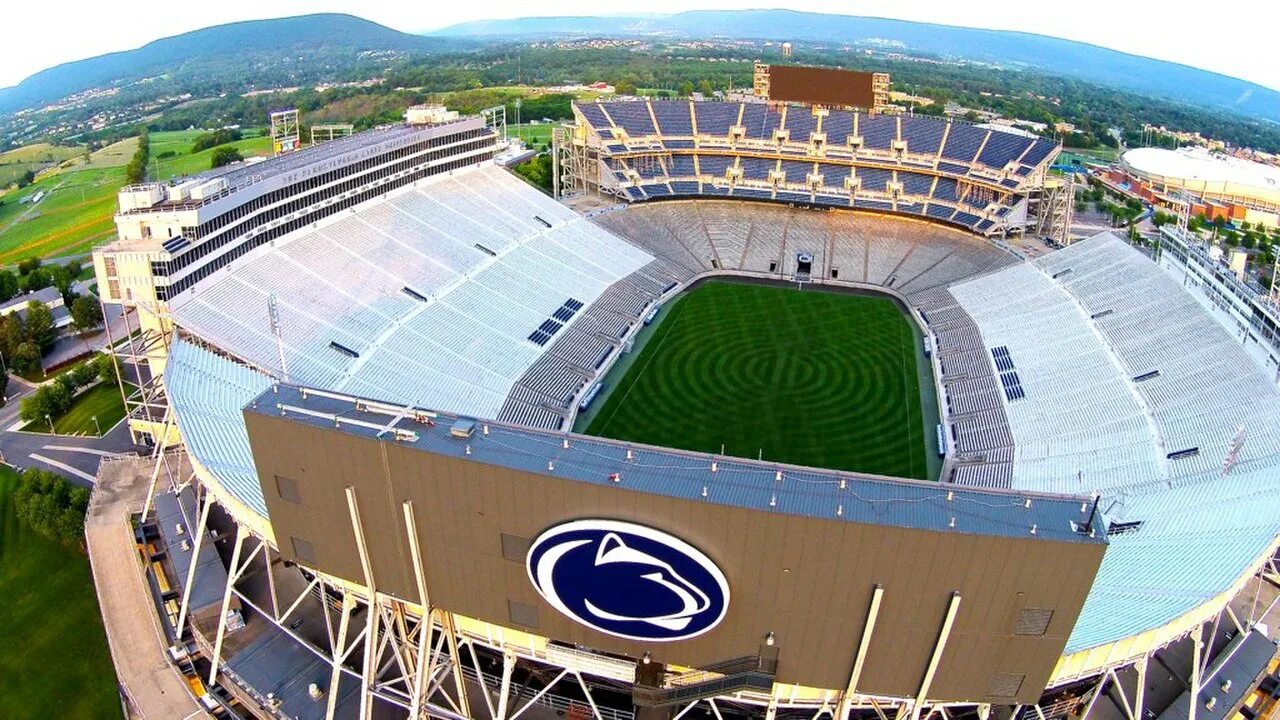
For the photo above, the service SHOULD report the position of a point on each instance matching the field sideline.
(809, 377)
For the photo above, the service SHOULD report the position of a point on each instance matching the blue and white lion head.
(628, 580)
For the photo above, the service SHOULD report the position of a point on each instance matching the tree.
(51, 506)
(48, 401)
(26, 359)
(705, 87)
(224, 155)
(84, 374)
(26, 266)
(108, 371)
(26, 178)
(86, 314)
(624, 87)
(38, 279)
(39, 326)
(8, 285)
(686, 89)
(136, 170)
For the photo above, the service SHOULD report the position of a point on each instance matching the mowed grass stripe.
(806, 377)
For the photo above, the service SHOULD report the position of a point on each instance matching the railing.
(728, 684)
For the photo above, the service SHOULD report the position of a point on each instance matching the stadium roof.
(1200, 165)
(751, 484)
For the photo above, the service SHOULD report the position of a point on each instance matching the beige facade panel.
(808, 581)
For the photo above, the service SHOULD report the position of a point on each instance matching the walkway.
(153, 686)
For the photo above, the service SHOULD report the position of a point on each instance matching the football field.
(809, 377)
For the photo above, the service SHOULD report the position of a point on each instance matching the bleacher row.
(764, 239)
(979, 429)
(1133, 391)
(429, 297)
(709, 174)
(924, 140)
(1129, 384)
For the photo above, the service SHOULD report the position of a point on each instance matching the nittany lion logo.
(628, 580)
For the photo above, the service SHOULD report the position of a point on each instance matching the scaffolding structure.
(145, 344)
(286, 131)
(1053, 206)
(330, 131)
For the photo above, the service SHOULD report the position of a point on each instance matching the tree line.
(51, 506)
(136, 170)
(52, 400)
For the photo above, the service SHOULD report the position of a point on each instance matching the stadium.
(1218, 185)
(768, 418)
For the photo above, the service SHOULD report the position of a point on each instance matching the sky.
(1234, 37)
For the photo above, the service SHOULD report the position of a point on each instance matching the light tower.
(286, 132)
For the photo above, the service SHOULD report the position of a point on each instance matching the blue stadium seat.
(753, 120)
(923, 134)
(756, 168)
(1038, 152)
(874, 179)
(834, 175)
(797, 172)
(715, 165)
(915, 183)
(682, 166)
(715, 118)
(631, 115)
(963, 142)
(838, 126)
(673, 117)
(947, 189)
(1002, 148)
(593, 114)
(878, 131)
(800, 123)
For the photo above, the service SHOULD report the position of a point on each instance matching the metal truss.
(1129, 693)
(140, 345)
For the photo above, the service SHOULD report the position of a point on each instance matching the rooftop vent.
(339, 347)
(462, 428)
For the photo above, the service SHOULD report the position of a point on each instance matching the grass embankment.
(54, 661)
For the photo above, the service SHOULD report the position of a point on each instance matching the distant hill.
(1051, 55)
(296, 49)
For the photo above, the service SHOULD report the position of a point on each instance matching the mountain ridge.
(199, 51)
(1069, 58)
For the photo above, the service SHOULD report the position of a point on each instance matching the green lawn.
(54, 660)
(102, 400)
(184, 162)
(75, 213)
(539, 134)
(808, 377)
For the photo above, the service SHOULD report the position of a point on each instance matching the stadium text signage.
(628, 580)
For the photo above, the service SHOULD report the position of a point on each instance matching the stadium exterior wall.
(807, 581)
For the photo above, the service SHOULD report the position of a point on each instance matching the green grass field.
(538, 135)
(102, 400)
(75, 213)
(184, 162)
(54, 660)
(808, 377)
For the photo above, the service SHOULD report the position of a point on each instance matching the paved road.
(76, 458)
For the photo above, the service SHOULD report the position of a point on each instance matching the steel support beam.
(850, 691)
(197, 536)
(952, 608)
(371, 647)
(226, 606)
